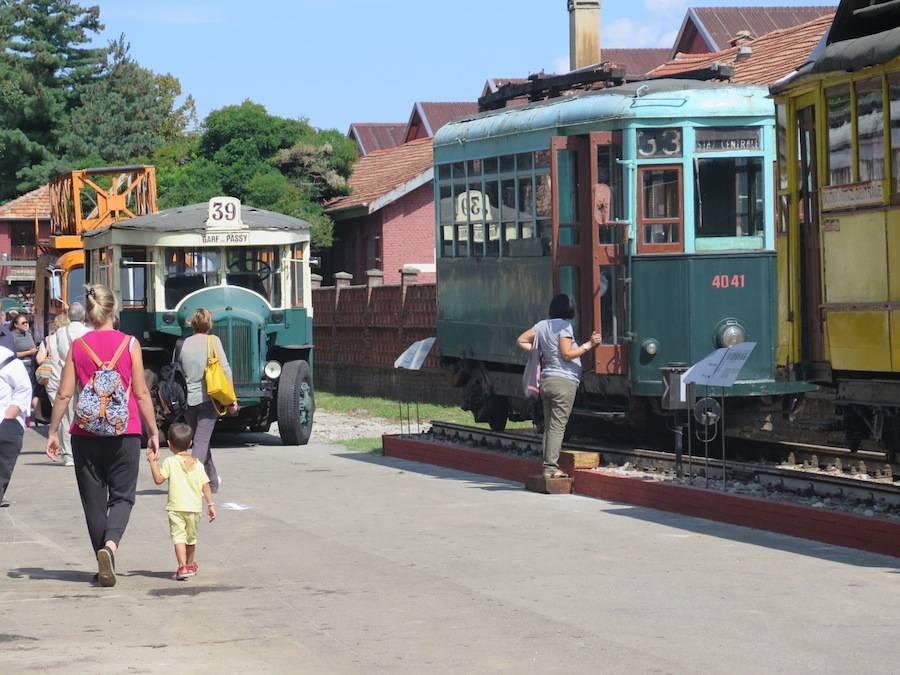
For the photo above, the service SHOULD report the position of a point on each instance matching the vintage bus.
(250, 268)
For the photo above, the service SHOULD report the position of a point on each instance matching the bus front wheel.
(296, 403)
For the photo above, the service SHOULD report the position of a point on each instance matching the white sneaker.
(69, 462)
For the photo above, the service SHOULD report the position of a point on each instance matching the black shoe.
(106, 567)
(3, 503)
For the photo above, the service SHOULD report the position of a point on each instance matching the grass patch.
(371, 446)
(371, 406)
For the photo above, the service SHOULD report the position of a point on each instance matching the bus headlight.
(272, 370)
(650, 346)
(730, 334)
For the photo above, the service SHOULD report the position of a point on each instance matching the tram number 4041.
(729, 281)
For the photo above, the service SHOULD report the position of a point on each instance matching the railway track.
(810, 470)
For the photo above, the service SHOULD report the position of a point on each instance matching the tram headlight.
(730, 334)
(651, 346)
(272, 370)
(277, 317)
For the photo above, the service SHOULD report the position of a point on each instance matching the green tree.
(45, 59)
(128, 112)
(274, 163)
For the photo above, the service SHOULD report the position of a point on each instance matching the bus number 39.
(729, 281)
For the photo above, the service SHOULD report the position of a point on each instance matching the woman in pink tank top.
(106, 467)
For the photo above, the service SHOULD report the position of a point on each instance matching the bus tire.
(296, 403)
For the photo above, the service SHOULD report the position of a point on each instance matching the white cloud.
(627, 33)
(667, 6)
(560, 65)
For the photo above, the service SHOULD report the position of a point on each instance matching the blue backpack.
(102, 406)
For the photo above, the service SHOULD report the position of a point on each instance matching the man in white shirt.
(15, 404)
(64, 338)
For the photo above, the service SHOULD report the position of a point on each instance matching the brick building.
(23, 222)
(387, 222)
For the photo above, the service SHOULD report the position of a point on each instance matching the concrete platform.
(335, 562)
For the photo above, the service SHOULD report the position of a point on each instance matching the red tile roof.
(31, 203)
(720, 24)
(635, 61)
(435, 115)
(382, 171)
(377, 135)
(772, 56)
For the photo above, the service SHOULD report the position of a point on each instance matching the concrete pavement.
(350, 563)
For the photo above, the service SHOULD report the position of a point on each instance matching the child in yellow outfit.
(187, 481)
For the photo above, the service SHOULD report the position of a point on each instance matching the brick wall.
(359, 331)
(408, 235)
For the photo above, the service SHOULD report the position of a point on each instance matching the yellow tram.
(838, 225)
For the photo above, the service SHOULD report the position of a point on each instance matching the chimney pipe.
(584, 33)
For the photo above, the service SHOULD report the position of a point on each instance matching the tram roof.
(192, 218)
(665, 98)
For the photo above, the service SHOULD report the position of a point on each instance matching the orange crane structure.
(81, 201)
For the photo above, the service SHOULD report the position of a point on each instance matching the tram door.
(608, 239)
(813, 339)
(571, 242)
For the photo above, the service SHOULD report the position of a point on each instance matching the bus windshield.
(256, 269)
(188, 271)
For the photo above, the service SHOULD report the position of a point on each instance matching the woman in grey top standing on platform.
(560, 373)
(200, 412)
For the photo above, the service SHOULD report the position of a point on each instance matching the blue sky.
(341, 61)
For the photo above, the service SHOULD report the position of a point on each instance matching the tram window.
(729, 197)
(526, 206)
(661, 209)
(782, 145)
(446, 218)
(870, 128)
(490, 165)
(444, 172)
(459, 170)
(894, 97)
(612, 304)
(460, 217)
(297, 276)
(524, 161)
(543, 198)
(133, 278)
(491, 203)
(542, 159)
(609, 172)
(188, 271)
(837, 101)
(256, 269)
(507, 163)
(474, 167)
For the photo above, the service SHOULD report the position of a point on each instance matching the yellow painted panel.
(783, 348)
(895, 340)
(855, 258)
(894, 253)
(859, 340)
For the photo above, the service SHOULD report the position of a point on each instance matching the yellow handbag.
(218, 387)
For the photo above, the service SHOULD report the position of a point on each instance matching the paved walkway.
(353, 563)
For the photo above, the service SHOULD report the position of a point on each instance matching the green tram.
(250, 268)
(650, 204)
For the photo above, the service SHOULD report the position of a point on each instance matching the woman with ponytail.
(106, 466)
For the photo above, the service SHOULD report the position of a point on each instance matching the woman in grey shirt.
(200, 412)
(560, 373)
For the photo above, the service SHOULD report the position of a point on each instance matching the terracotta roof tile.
(382, 171)
(773, 56)
(723, 23)
(377, 135)
(31, 203)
